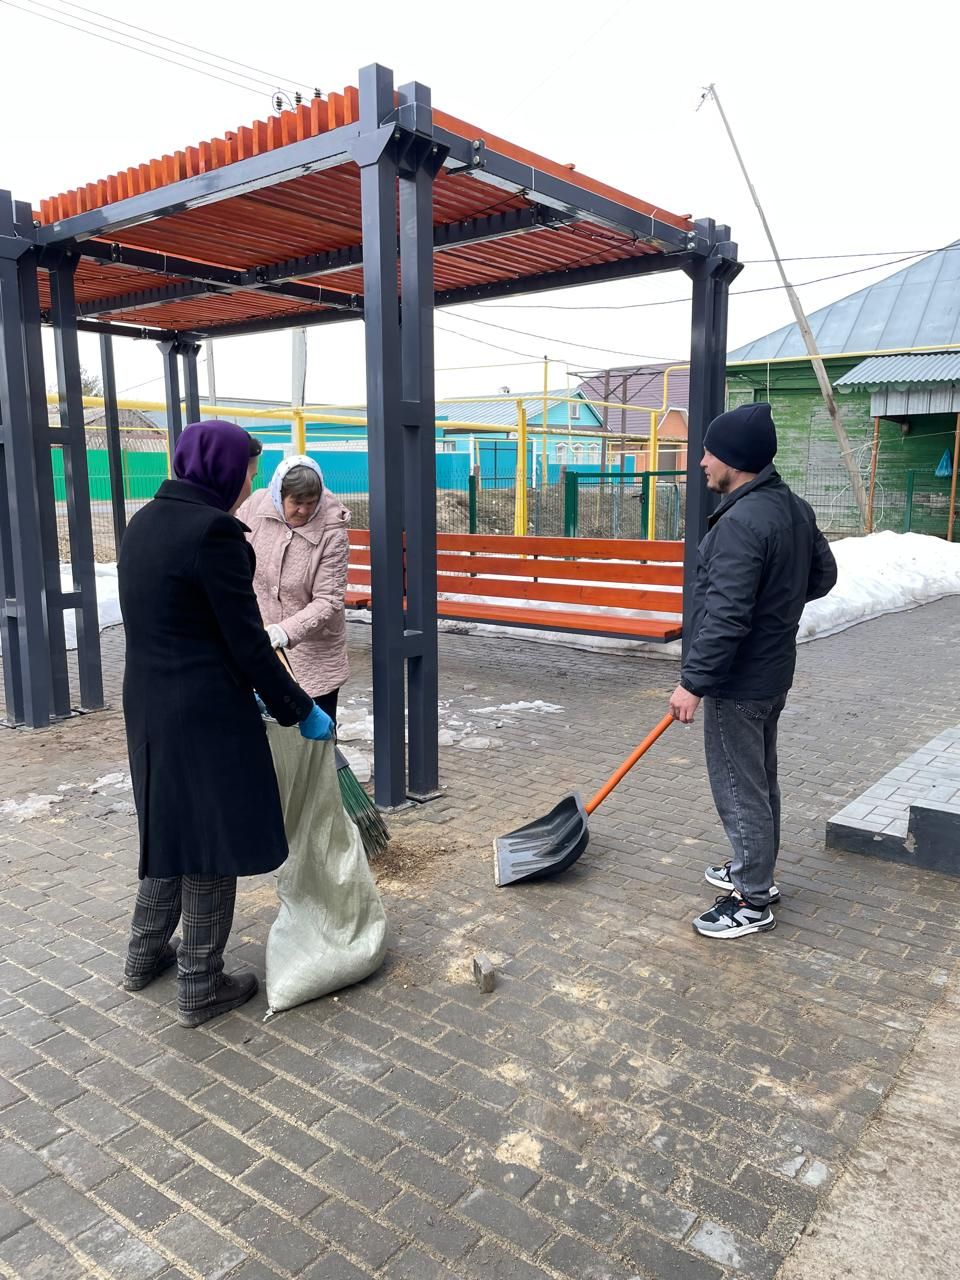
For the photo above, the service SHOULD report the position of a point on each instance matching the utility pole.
(211, 373)
(298, 391)
(826, 390)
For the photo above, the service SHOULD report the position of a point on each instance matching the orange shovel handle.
(630, 761)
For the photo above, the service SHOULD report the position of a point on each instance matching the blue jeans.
(740, 741)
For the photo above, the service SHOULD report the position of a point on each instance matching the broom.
(359, 806)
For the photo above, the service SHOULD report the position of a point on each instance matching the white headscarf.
(276, 482)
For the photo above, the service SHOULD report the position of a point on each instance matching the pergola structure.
(366, 204)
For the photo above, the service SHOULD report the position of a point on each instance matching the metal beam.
(708, 355)
(144, 299)
(26, 668)
(139, 333)
(111, 422)
(648, 264)
(43, 464)
(171, 387)
(496, 169)
(286, 279)
(418, 414)
(378, 202)
(598, 273)
(240, 178)
(191, 387)
(77, 483)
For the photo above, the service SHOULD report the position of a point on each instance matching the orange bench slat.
(555, 620)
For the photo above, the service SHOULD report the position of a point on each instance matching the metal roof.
(181, 245)
(902, 371)
(503, 413)
(916, 307)
(641, 389)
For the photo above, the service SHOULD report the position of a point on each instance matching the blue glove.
(318, 726)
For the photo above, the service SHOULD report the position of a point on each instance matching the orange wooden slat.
(563, 593)
(577, 548)
(557, 620)
(660, 575)
(351, 105)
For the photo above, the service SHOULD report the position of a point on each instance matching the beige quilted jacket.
(300, 581)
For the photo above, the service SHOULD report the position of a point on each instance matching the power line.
(183, 66)
(734, 293)
(184, 45)
(585, 346)
(268, 85)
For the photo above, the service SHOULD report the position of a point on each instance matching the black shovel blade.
(544, 847)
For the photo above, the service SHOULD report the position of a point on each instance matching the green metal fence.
(616, 504)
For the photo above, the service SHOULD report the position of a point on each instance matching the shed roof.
(503, 413)
(641, 389)
(916, 307)
(262, 227)
(902, 372)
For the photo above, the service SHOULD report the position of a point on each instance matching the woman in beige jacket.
(298, 530)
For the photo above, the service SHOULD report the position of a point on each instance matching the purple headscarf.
(213, 456)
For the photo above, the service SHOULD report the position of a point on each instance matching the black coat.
(762, 559)
(203, 778)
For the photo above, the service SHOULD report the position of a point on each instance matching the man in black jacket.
(762, 559)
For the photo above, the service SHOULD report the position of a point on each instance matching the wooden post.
(953, 482)
(873, 473)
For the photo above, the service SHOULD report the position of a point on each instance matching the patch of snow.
(118, 780)
(108, 600)
(355, 727)
(476, 743)
(882, 573)
(359, 762)
(447, 738)
(547, 708)
(35, 806)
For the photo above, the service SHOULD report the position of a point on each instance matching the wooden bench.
(548, 584)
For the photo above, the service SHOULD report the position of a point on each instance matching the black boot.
(230, 994)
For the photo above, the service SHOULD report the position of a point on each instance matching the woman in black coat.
(203, 778)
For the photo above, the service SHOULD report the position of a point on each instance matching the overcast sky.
(841, 110)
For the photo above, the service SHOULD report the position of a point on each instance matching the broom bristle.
(372, 828)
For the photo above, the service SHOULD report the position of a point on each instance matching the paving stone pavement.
(630, 1101)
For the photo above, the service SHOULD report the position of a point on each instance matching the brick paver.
(629, 1101)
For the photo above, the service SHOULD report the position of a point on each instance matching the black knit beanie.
(744, 438)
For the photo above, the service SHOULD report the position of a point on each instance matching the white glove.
(278, 637)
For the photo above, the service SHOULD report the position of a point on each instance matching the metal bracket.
(14, 247)
(369, 147)
(476, 160)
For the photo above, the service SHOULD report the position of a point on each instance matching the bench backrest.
(622, 573)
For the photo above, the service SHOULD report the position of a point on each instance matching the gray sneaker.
(732, 917)
(231, 993)
(719, 877)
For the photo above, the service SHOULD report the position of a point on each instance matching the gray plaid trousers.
(205, 906)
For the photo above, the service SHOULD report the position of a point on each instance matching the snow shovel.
(555, 841)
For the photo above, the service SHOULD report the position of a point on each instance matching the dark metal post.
(111, 419)
(171, 386)
(711, 283)
(381, 315)
(43, 470)
(25, 652)
(191, 387)
(77, 483)
(417, 169)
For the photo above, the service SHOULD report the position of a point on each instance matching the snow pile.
(34, 806)
(108, 600)
(883, 573)
(547, 708)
